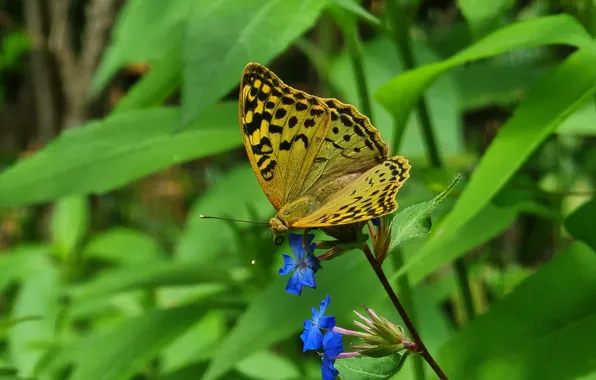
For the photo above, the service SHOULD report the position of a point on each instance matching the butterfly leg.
(305, 239)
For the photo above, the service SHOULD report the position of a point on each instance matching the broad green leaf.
(581, 223)
(354, 7)
(124, 245)
(104, 155)
(381, 64)
(486, 225)
(415, 221)
(37, 299)
(544, 329)
(400, 95)
(203, 239)
(157, 85)
(255, 31)
(126, 349)
(364, 368)
(275, 315)
(147, 276)
(265, 365)
(143, 33)
(69, 225)
(549, 103)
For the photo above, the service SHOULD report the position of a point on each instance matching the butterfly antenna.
(232, 220)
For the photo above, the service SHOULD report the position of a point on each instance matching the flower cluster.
(302, 266)
(380, 338)
(331, 342)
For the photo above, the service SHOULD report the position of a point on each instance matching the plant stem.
(349, 27)
(405, 293)
(464, 287)
(399, 25)
(402, 312)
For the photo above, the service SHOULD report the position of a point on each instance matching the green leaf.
(274, 315)
(15, 262)
(365, 368)
(381, 64)
(352, 6)
(125, 246)
(480, 18)
(486, 225)
(70, 223)
(37, 298)
(126, 349)
(157, 85)
(415, 221)
(255, 31)
(14, 45)
(204, 239)
(143, 33)
(104, 155)
(198, 342)
(544, 329)
(147, 276)
(549, 103)
(581, 223)
(400, 95)
(265, 365)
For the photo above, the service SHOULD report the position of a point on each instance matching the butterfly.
(319, 161)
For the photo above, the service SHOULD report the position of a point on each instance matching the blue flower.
(312, 336)
(303, 267)
(376, 222)
(333, 345)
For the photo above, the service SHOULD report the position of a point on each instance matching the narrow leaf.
(104, 155)
(544, 329)
(581, 223)
(255, 30)
(549, 103)
(400, 95)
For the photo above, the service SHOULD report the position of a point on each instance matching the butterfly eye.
(286, 212)
(279, 240)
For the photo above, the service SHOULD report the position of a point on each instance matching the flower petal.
(324, 304)
(294, 285)
(333, 344)
(328, 370)
(289, 265)
(326, 323)
(308, 278)
(312, 262)
(295, 242)
(312, 338)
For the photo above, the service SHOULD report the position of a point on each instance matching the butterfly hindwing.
(352, 145)
(282, 128)
(369, 196)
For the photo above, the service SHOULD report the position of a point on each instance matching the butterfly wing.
(370, 195)
(352, 145)
(283, 129)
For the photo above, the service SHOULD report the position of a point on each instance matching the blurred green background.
(119, 127)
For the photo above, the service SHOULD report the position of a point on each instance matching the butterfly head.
(278, 227)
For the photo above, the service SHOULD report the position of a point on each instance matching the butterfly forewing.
(283, 130)
(369, 196)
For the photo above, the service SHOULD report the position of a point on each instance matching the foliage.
(108, 271)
